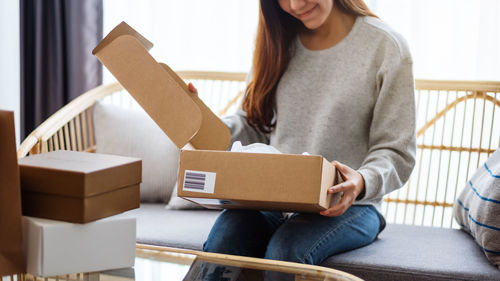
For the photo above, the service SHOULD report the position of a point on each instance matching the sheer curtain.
(449, 39)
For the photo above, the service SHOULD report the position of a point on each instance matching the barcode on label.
(199, 181)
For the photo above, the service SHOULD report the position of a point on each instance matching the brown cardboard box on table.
(11, 239)
(78, 187)
(209, 175)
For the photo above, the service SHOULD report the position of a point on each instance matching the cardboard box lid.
(160, 91)
(78, 174)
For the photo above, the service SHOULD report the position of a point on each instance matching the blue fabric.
(477, 208)
(304, 238)
(474, 220)
(480, 196)
(464, 227)
(490, 171)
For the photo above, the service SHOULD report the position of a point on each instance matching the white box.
(56, 248)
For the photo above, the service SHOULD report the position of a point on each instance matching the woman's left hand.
(352, 186)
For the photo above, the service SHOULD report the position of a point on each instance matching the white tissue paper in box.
(57, 248)
(256, 148)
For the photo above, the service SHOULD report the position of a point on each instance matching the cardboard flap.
(122, 29)
(213, 133)
(149, 83)
(328, 179)
(11, 247)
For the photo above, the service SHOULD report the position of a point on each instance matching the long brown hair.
(275, 32)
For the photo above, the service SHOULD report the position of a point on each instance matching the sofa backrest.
(458, 126)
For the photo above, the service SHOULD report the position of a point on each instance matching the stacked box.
(78, 187)
(69, 203)
(57, 248)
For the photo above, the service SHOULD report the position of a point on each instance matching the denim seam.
(329, 233)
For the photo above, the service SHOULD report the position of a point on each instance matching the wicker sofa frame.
(458, 128)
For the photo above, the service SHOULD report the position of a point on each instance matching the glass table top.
(160, 263)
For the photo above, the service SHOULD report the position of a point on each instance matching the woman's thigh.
(311, 238)
(242, 232)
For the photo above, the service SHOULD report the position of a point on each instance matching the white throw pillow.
(177, 203)
(131, 132)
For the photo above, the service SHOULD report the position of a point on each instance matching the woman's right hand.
(192, 88)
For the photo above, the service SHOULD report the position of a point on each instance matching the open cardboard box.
(208, 175)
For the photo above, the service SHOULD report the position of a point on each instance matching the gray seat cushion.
(187, 229)
(401, 252)
(404, 252)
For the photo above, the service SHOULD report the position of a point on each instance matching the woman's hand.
(352, 186)
(192, 88)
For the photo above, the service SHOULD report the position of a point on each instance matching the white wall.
(449, 39)
(203, 35)
(10, 59)
(191, 34)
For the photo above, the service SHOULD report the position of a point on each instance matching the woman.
(331, 79)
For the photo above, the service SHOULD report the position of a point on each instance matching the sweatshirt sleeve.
(392, 136)
(240, 129)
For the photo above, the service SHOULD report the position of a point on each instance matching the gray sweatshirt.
(353, 103)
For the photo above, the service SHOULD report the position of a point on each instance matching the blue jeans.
(303, 238)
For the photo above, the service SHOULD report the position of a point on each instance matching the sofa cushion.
(477, 208)
(178, 203)
(187, 229)
(401, 252)
(131, 132)
(405, 252)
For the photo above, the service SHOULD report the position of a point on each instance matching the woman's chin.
(312, 25)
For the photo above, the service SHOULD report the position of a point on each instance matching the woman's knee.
(239, 232)
(310, 239)
(287, 249)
